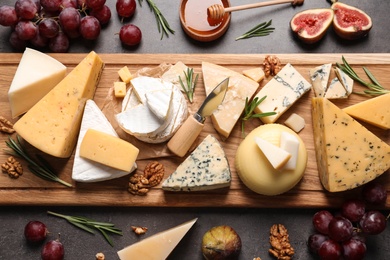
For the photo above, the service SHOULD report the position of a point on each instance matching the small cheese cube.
(257, 74)
(277, 156)
(125, 74)
(295, 122)
(119, 89)
(290, 144)
(108, 150)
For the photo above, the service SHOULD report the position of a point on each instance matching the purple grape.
(69, 19)
(35, 231)
(340, 229)
(39, 41)
(69, 3)
(60, 43)
(26, 30)
(95, 4)
(125, 8)
(374, 193)
(8, 16)
(53, 250)
(51, 5)
(38, 5)
(130, 35)
(330, 250)
(373, 222)
(16, 42)
(103, 14)
(354, 249)
(81, 3)
(321, 221)
(353, 209)
(315, 241)
(26, 9)
(48, 28)
(89, 28)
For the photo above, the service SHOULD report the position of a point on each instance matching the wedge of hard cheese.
(52, 125)
(348, 155)
(240, 87)
(158, 246)
(36, 75)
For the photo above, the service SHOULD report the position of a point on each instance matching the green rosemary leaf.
(190, 84)
(371, 77)
(259, 30)
(249, 111)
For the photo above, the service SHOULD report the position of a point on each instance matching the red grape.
(130, 35)
(321, 221)
(103, 14)
(8, 16)
(89, 28)
(26, 30)
(39, 41)
(353, 209)
(16, 42)
(125, 8)
(35, 231)
(354, 249)
(69, 3)
(60, 43)
(373, 222)
(69, 19)
(53, 250)
(340, 229)
(330, 250)
(26, 9)
(38, 4)
(95, 4)
(51, 5)
(48, 28)
(374, 193)
(315, 241)
(81, 3)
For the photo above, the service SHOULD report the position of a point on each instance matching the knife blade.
(182, 140)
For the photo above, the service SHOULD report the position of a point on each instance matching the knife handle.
(182, 140)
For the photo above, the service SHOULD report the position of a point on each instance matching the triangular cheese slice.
(36, 75)
(158, 246)
(319, 77)
(143, 85)
(240, 87)
(277, 156)
(375, 111)
(206, 168)
(336, 90)
(345, 80)
(87, 170)
(52, 125)
(159, 102)
(348, 155)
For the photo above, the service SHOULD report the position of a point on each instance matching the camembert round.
(257, 173)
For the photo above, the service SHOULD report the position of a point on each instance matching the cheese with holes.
(255, 170)
(281, 92)
(206, 168)
(85, 170)
(119, 89)
(348, 155)
(319, 77)
(36, 75)
(277, 156)
(375, 111)
(240, 87)
(108, 150)
(52, 125)
(158, 246)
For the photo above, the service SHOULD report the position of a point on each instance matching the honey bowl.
(198, 25)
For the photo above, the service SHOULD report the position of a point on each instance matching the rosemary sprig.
(259, 30)
(374, 87)
(162, 23)
(87, 224)
(189, 86)
(248, 111)
(40, 168)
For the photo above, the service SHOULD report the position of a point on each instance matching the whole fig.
(221, 243)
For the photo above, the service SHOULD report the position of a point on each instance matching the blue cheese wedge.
(281, 92)
(335, 90)
(85, 170)
(345, 80)
(206, 168)
(319, 77)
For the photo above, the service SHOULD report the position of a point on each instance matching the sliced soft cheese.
(281, 92)
(205, 168)
(52, 125)
(159, 102)
(345, 80)
(348, 155)
(143, 85)
(172, 75)
(290, 144)
(240, 87)
(277, 156)
(36, 75)
(375, 111)
(335, 90)
(86, 170)
(319, 77)
(158, 246)
(130, 100)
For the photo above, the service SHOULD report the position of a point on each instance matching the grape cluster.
(343, 235)
(53, 23)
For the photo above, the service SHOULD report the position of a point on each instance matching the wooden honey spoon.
(217, 11)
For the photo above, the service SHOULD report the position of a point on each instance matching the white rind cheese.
(159, 102)
(206, 168)
(281, 92)
(85, 170)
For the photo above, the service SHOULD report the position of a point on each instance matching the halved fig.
(311, 25)
(350, 22)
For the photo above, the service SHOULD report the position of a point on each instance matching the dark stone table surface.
(251, 224)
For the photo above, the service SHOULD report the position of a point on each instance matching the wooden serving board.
(31, 190)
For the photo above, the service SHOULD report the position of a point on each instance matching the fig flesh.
(311, 25)
(349, 22)
(221, 243)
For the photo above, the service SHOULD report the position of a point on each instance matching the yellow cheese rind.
(375, 111)
(108, 150)
(52, 125)
(348, 155)
(256, 172)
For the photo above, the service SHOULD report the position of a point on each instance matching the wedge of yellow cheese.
(53, 123)
(348, 155)
(108, 150)
(375, 111)
(240, 87)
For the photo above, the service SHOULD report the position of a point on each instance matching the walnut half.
(139, 184)
(12, 167)
(281, 248)
(272, 65)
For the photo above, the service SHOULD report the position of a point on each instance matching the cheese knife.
(182, 140)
